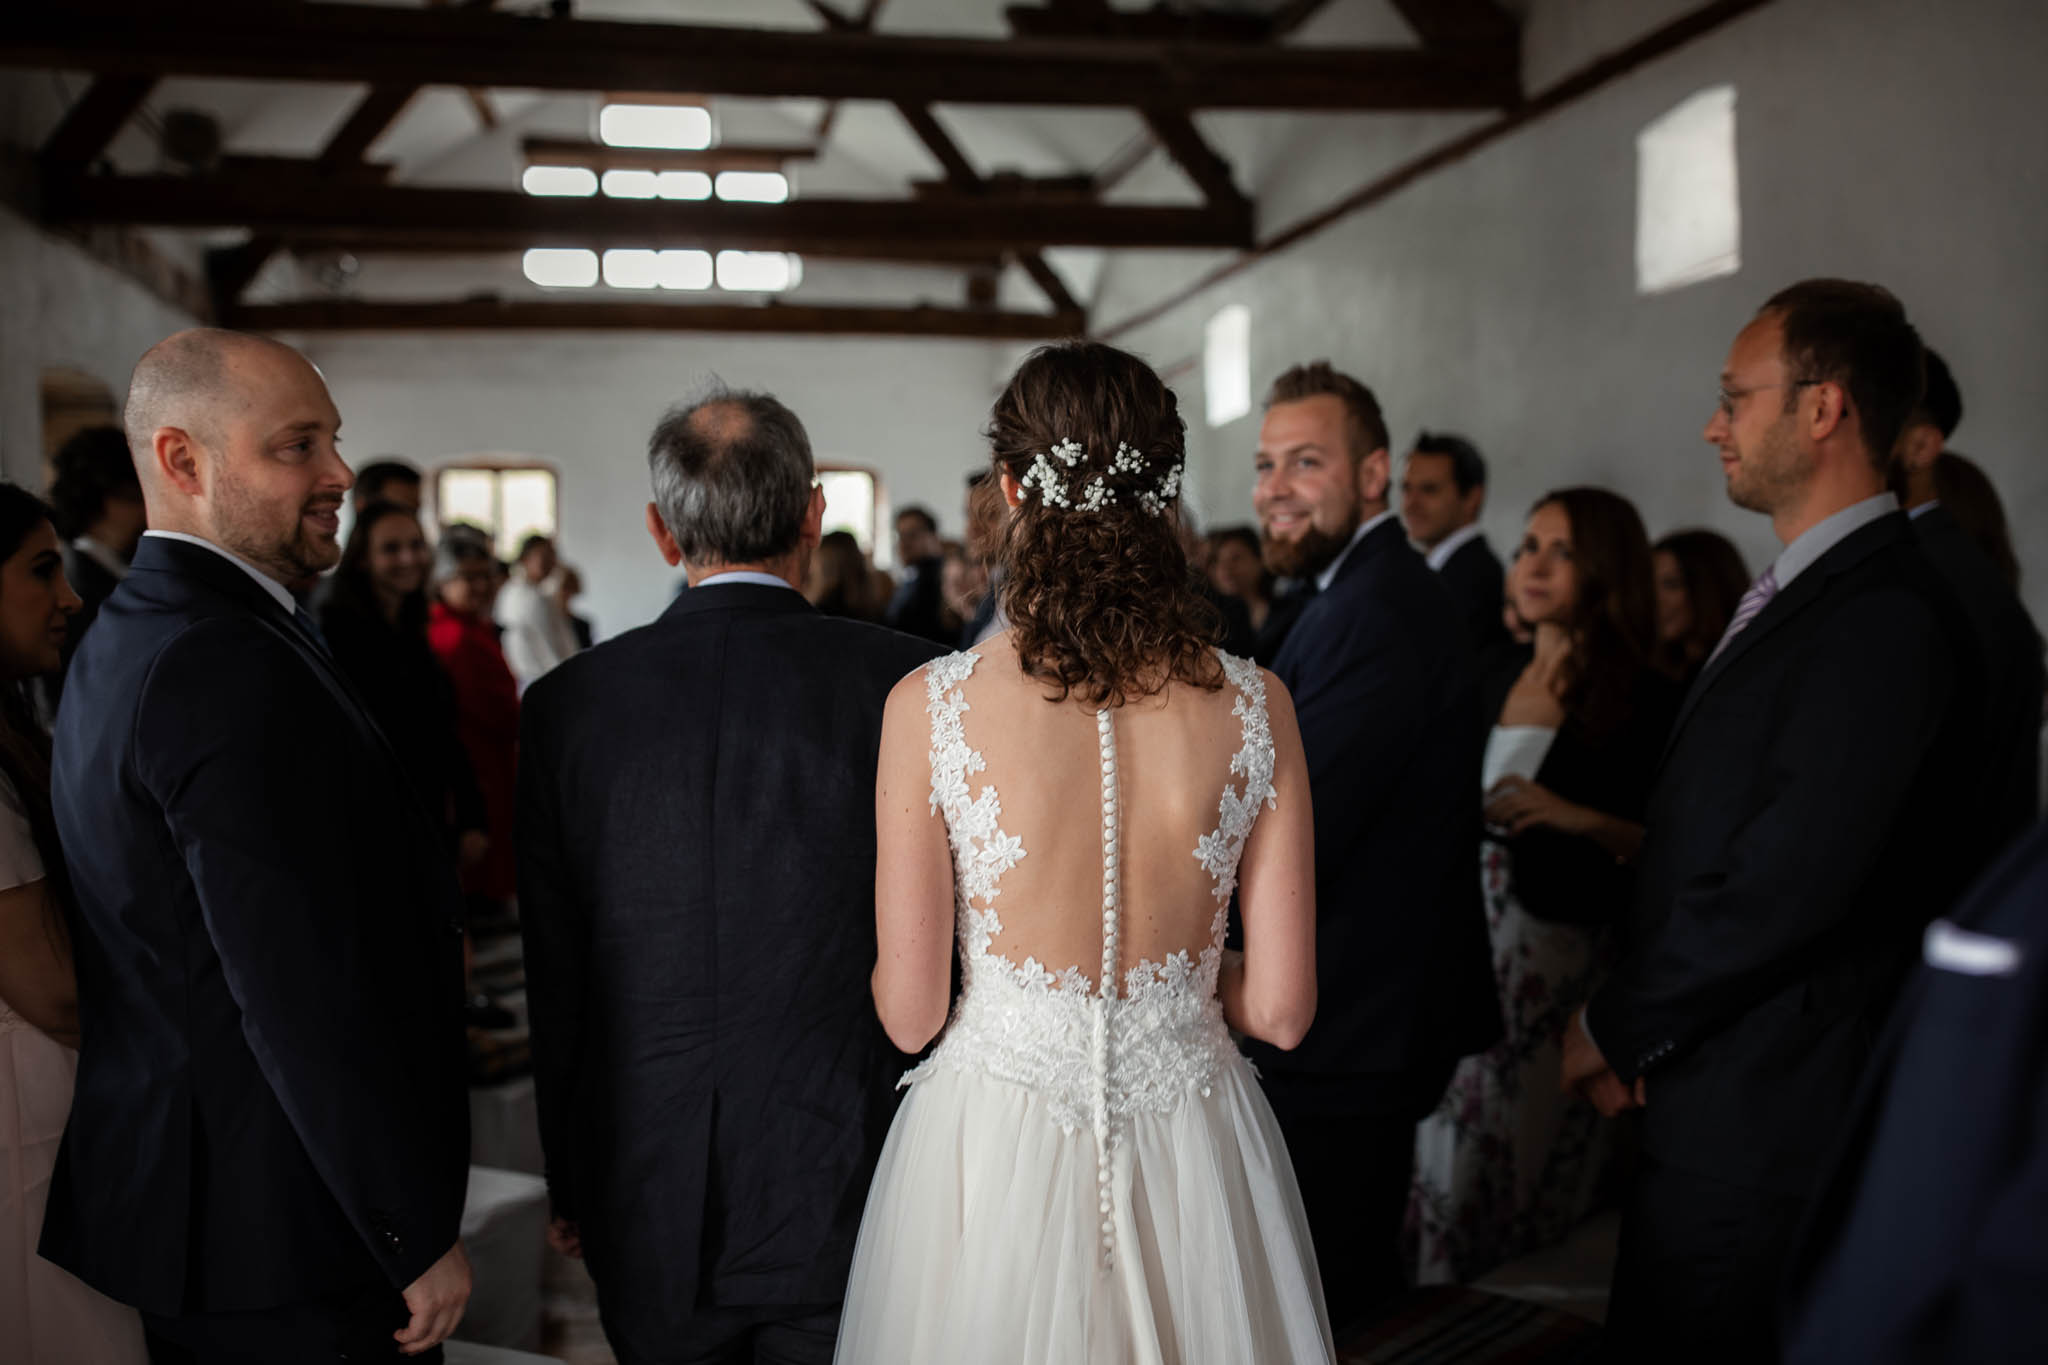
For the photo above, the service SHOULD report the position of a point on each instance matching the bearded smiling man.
(1382, 679)
(269, 1144)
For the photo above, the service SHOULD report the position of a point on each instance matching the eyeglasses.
(1727, 398)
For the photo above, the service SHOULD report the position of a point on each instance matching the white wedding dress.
(1081, 1174)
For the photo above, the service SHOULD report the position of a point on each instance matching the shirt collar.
(101, 555)
(1923, 509)
(278, 592)
(1451, 544)
(755, 576)
(1329, 572)
(1827, 533)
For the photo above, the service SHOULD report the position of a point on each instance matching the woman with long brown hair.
(1085, 1168)
(51, 1317)
(1700, 579)
(1507, 1163)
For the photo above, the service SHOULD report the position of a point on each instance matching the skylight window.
(561, 267)
(574, 181)
(685, 126)
(686, 270)
(684, 185)
(632, 184)
(1688, 214)
(632, 269)
(759, 187)
(765, 272)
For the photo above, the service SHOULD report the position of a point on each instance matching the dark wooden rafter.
(599, 156)
(1453, 23)
(404, 46)
(610, 315)
(443, 242)
(1162, 23)
(93, 121)
(892, 229)
(1177, 134)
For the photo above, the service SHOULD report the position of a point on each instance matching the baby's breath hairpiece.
(1046, 478)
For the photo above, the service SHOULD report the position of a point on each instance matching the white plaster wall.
(61, 307)
(1887, 140)
(585, 402)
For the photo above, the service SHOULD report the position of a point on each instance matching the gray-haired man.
(696, 883)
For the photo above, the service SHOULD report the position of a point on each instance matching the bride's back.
(1043, 759)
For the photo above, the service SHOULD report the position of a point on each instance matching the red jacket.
(487, 716)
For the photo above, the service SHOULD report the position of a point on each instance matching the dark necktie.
(312, 629)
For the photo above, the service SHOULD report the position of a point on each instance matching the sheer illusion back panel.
(1043, 761)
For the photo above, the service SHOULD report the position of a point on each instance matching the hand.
(1610, 1096)
(436, 1300)
(472, 848)
(1582, 1060)
(564, 1236)
(1516, 804)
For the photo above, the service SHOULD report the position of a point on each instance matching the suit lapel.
(1806, 589)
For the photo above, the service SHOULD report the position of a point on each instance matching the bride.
(1085, 1168)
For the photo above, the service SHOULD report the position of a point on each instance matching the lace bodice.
(1137, 1038)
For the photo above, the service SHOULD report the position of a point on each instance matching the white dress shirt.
(1824, 535)
(535, 632)
(1329, 572)
(754, 576)
(101, 555)
(279, 592)
(1451, 544)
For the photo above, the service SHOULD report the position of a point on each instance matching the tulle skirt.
(983, 1237)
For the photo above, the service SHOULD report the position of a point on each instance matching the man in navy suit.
(1380, 670)
(1815, 809)
(268, 1147)
(1927, 1244)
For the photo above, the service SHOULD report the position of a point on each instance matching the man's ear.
(671, 552)
(814, 519)
(1474, 502)
(1375, 476)
(177, 458)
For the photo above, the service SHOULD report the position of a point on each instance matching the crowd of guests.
(1616, 828)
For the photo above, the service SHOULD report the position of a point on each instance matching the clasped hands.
(1587, 1073)
(1515, 805)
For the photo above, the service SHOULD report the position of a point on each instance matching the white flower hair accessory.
(1046, 479)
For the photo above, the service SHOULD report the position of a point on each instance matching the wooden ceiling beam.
(491, 314)
(1161, 23)
(91, 123)
(982, 226)
(395, 46)
(1451, 23)
(598, 156)
(383, 243)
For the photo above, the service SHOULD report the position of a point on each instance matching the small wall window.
(508, 502)
(851, 500)
(1688, 218)
(1227, 364)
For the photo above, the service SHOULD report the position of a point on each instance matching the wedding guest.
(569, 587)
(1961, 528)
(918, 606)
(1810, 817)
(1508, 1163)
(1926, 1247)
(460, 633)
(52, 1317)
(373, 613)
(840, 581)
(1700, 579)
(1236, 570)
(986, 523)
(1380, 668)
(1443, 491)
(963, 584)
(96, 504)
(269, 1141)
(534, 630)
(696, 877)
(387, 479)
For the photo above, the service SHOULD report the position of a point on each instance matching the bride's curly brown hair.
(1101, 603)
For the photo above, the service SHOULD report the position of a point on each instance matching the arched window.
(852, 497)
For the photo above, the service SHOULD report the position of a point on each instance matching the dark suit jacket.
(1927, 1246)
(1383, 684)
(1565, 877)
(270, 1104)
(1804, 828)
(1473, 574)
(918, 606)
(1285, 610)
(2011, 650)
(696, 885)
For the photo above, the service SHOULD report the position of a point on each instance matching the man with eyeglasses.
(1803, 832)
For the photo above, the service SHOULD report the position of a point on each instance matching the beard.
(292, 554)
(1309, 553)
(1772, 475)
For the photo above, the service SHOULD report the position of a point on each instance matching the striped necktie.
(1752, 604)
